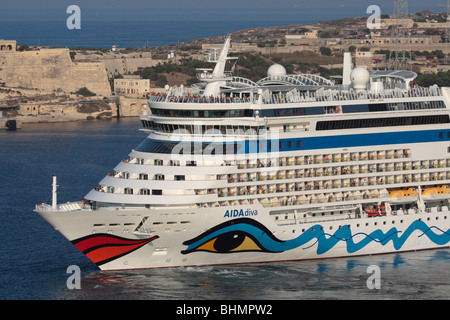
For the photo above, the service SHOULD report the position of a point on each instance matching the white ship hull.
(170, 242)
(286, 168)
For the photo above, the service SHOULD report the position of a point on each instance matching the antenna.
(400, 37)
(54, 194)
(447, 32)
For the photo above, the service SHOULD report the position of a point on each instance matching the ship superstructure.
(290, 167)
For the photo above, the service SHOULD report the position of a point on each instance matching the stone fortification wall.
(52, 70)
(117, 63)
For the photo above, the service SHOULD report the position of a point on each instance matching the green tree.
(85, 92)
(325, 51)
(442, 79)
(23, 47)
(162, 81)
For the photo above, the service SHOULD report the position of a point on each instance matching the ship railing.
(313, 96)
(293, 201)
(199, 99)
(206, 76)
(437, 209)
(350, 95)
(68, 206)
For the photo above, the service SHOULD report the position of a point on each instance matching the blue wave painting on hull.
(246, 234)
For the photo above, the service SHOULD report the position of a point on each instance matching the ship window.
(158, 162)
(441, 135)
(381, 122)
(156, 192)
(144, 192)
(356, 108)
(179, 178)
(128, 190)
(159, 177)
(143, 176)
(299, 143)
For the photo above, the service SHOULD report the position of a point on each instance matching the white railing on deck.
(313, 96)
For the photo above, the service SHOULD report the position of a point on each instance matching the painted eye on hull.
(233, 241)
(240, 235)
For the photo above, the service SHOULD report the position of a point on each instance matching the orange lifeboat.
(403, 196)
(436, 193)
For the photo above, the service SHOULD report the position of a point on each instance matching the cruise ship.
(291, 167)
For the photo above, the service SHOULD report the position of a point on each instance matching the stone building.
(7, 46)
(132, 86)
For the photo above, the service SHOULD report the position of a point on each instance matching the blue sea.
(34, 257)
(132, 28)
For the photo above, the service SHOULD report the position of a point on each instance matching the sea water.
(34, 257)
(137, 28)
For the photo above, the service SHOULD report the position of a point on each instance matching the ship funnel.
(347, 70)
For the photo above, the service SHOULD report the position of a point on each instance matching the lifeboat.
(374, 212)
(436, 193)
(403, 196)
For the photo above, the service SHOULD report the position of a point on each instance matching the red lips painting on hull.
(102, 248)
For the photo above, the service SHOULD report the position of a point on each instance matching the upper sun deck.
(220, 90)
(297, 95)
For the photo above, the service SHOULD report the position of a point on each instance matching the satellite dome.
(276, 70)
(360, 77)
